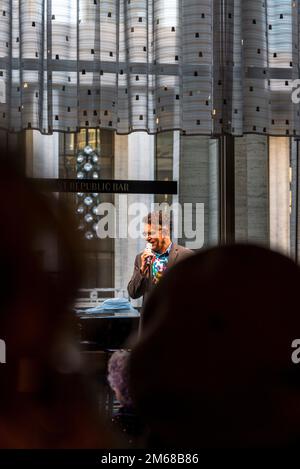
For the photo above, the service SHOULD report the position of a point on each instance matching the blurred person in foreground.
(125, 418)
(213, 367)
(43, 400)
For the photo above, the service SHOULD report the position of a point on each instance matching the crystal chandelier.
(87, 167)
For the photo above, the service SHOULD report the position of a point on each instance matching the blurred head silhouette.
(38, 265)
(43, 401)
(213, 365)
(118, 376)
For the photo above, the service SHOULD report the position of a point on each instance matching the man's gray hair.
(159, 218)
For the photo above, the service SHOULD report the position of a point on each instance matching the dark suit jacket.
(140, 285)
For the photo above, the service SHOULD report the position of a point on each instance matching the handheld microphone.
(149, 248)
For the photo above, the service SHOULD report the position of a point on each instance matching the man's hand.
(144, 265)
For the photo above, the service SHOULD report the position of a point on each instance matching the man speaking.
(160, 254)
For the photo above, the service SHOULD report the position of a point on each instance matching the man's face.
(153, 234)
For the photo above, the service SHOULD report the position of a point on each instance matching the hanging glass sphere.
(95, 225)
(95, 158)
(80, 157)
(80, 175)
(95, 175)
(88, 201)
(89, 218)
(88, 167)
(89, 235)
(81, 227)
(80, 209)
(80, 194)
(88, 150)
(95, 210)
(95, 194)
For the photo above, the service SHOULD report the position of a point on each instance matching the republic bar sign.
(106, 186)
